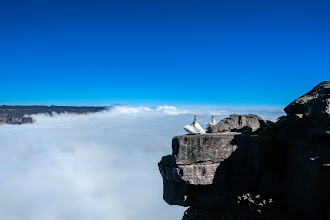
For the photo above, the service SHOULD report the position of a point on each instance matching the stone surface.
(251, 124)
(316, 106)
(188, 149)
(192, 178)
(306, 182)
(315, 103)
(197, 157)
(174, 190)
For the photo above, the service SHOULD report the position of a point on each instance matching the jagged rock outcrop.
(288, 161)
(316, 105)
(251, 124)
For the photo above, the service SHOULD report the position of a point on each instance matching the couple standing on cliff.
(195, 128)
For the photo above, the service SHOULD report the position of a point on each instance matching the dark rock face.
(197, 157)
(198, 214)
(251, 124)
(288, 161)
(303, 188)
(316, 105)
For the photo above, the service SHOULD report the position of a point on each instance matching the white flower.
(257, 196)
(270, 200)
(261, 204)
(264, 202)
(259, 210)
(239, 198)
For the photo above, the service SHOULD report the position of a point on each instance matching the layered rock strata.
(207, 170)
(287, 161)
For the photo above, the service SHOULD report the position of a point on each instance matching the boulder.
(315, 103)
(251, 124)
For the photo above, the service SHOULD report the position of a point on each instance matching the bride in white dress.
(194, 128)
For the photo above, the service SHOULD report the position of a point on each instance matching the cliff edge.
(249, 168)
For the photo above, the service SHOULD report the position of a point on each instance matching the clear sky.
(231, 52)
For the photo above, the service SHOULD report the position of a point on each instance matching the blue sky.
(175, 52)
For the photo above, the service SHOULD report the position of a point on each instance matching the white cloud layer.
(97, 166)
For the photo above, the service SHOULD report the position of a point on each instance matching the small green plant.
(248, 207)
(253, 203)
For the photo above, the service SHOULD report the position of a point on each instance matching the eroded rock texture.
(316, 106)
(288, 161)
(209, 170)
(315, 103)
(251, 124)
(196, 157)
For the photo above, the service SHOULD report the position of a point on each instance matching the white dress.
(213, 122)
(194, 128)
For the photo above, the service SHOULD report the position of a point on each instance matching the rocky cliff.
(249, 168)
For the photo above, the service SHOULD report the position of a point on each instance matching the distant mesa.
(20, 114)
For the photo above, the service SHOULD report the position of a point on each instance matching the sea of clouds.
(96, 166)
